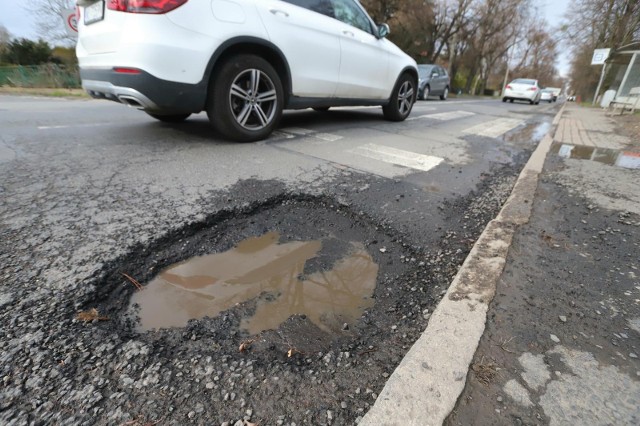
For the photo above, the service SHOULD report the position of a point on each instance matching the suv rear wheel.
(245, 98)
(402, 99)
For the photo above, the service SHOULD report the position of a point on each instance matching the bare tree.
(538, 57)
(5, 38)
(498, 25)
(49, 15)
(382, 10)
(449, 18)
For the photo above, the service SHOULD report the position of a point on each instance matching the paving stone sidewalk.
(588, 127)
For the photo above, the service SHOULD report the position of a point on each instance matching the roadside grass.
(53, 92)
(588, 105)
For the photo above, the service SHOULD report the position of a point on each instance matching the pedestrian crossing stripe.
(494, 128)
(451, 115)
(398, 157)
(292, 132)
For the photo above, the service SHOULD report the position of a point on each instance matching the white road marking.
(397, 156)
(291, 132)
(297, 130)
(494, 128)
(443, 116)
(69, 126)
(327, 137)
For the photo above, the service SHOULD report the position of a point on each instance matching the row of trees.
(479, 41)
(23, 51)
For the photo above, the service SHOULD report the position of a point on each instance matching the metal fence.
(40, 76)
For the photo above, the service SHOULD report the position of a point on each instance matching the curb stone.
(426, 385)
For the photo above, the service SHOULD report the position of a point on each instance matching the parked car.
(546, 95)
(242, 62)
(433, 81)
(556, 92)
(522, 89)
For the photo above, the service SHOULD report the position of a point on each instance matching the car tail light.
(77, 13)
(144, 6)
(122, 70)
(533, 88)
(509, 87)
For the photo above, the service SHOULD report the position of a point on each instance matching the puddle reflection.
(260, 268)
(612, 157)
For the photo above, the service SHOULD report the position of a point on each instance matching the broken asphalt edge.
(425, 387)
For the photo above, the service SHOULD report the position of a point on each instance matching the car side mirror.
(383, 30)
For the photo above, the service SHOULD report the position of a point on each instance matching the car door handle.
(348, 33)
(279, 12)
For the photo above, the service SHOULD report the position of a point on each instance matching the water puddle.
(612, 157)
(262, 268)
(540, 130)
(533, 132)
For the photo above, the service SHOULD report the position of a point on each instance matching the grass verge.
(52, 92)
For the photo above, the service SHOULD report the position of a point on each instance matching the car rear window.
(425, 70)
(524, 81)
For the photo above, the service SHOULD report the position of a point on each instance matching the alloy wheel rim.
(253, 99)
(405, 96)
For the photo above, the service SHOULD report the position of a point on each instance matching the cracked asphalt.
(91, 188)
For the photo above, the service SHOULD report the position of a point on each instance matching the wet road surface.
(92, 190)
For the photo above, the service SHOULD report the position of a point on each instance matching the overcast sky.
(17, 20)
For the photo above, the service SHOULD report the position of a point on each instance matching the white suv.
(243, 61)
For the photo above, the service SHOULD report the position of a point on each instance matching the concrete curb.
(426, 385)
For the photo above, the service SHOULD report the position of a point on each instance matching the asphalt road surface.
(91, 190)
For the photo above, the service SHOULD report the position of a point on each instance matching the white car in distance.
(522, 89)
(546, 95)
(241, 61)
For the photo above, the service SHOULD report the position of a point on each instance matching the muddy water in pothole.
(265, 269)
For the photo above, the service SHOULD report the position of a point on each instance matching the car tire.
(169, 118)
(511, 100)
(321, 109)
(425, 93)
(402, 99)
(445, 94)
(504, 99)
(245, 98)
(531, 102)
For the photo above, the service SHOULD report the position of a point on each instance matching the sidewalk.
(557, 277)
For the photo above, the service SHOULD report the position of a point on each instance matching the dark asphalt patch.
(297, 372)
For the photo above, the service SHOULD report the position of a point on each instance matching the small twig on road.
(504, 343)
(367, 351)
(133, 281)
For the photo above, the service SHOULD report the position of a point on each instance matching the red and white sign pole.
(70, 22)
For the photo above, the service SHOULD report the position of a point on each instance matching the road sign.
(70, 22)
(599, 56)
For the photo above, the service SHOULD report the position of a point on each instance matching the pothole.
(288, 273)
(269, 271)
